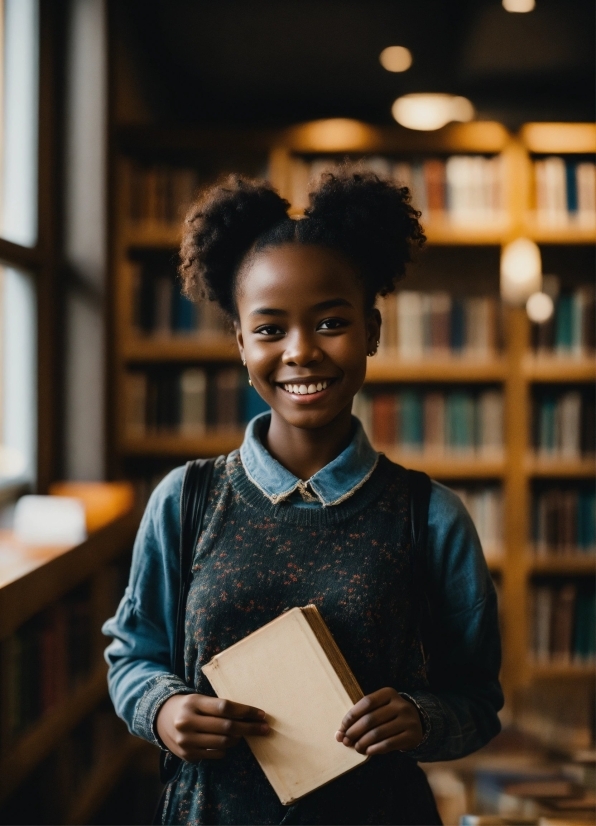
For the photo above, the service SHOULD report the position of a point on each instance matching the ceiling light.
(521, 271)
(396, 58)
(540, 307)
(428, 111)
(519, 5)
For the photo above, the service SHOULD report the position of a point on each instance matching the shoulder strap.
(419, 488)
(419, 484)
(193, 503)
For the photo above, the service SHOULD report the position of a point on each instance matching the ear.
(239, 339)
(373, 329)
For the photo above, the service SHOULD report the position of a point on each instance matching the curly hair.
(367, 218)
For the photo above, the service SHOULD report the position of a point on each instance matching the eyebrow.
(322, 305)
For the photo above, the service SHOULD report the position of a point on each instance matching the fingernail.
(261, 714)
(264, 728)
(347, 741)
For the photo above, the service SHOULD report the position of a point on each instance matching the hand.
(197, 727)
(381, 722)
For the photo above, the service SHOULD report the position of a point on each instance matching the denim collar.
(331, 485)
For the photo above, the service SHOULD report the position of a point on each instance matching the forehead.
(298, 272)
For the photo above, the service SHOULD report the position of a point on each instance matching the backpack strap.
(420, 487)
(193, 504)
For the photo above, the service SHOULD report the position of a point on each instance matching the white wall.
(85, 239)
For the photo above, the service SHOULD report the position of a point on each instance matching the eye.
(269, 330)
(332, 324)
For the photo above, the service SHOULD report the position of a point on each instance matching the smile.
(307, 389)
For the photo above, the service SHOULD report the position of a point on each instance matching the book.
(293, 670)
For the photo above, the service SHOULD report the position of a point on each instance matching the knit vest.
(353, 560)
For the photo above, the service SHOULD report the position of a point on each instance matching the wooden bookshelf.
(32, 580)
(515, 370)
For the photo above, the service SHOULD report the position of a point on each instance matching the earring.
(374, 352)
(244, 362)
(250, 382)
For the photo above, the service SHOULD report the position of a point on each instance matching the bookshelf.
(53, 601)
(509, 365)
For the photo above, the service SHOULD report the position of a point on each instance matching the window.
(20, 262)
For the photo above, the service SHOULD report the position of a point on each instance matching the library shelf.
(180, 348)
(41, 738)
(565, 564)
(154, 236)
(441, 231)
(494, 562)
(547, 368)
(165, 444)
(388, 368)
(557, 670)
(447, 466)
(545, 467)
(542, 234)
(35, 576)
(102, 779)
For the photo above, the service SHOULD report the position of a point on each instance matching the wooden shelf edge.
(559, 368)
(181, 348)
(44, 735)
(545, 671)
(214, 444)
(568, 468)
(447, 467)
(102, 779)
(576, 563)
(392, 367)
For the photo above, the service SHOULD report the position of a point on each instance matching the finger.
(216, 707)
(369, 721)
(404, 741)
(201, 724)
(365, 706)
(379, 734)
(211, 741)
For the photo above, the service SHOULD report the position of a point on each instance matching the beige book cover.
(293, 670)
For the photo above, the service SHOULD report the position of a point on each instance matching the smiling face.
(304, 332)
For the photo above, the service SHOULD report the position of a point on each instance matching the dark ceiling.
(283, 61)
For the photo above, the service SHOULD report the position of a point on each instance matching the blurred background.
(113, 115)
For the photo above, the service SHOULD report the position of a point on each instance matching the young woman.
(307, 512)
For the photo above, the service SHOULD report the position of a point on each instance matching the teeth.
(305, 390)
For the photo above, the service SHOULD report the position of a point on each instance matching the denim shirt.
(459, 712)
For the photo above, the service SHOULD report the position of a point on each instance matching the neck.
(303, 452)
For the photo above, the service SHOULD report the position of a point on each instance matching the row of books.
(160, 194)
(564, 521)
(564, 424)
(565, 191)
(418, 324)
(563, 623)
(43, 661)
(485, 506)
(570, 331)
(463, 188)
(160, 308)
(189, 400)
(436, 421)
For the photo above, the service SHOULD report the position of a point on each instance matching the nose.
(301, 349)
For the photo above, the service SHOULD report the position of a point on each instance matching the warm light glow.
(521, 271)
(396, 58)
(519, 5)
(429, 111)
(539, 307)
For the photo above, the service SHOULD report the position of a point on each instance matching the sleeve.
(139, 676)
(460, 711)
